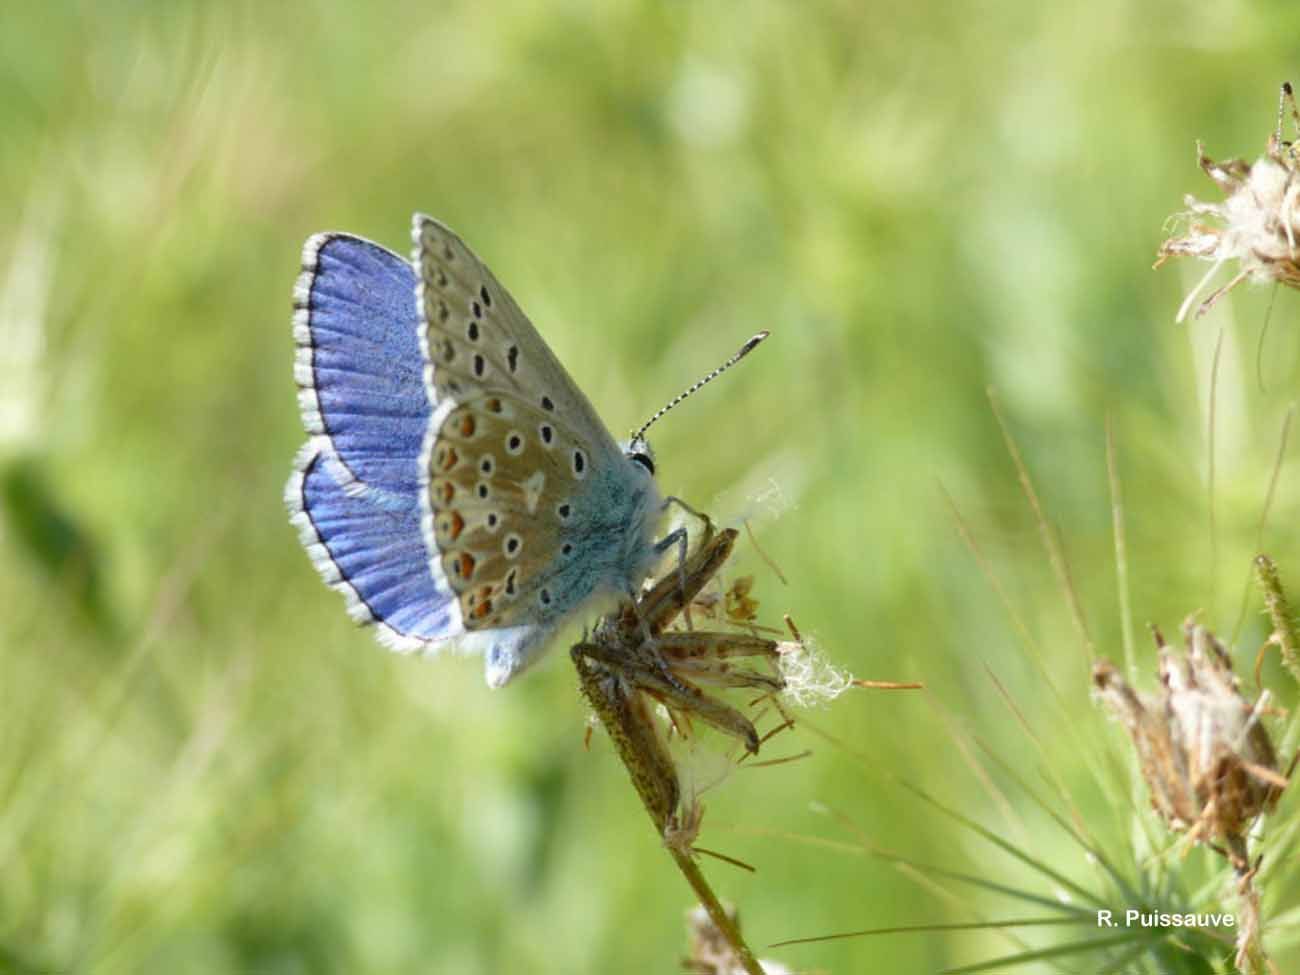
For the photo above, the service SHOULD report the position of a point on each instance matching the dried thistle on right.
(1256, 225)
(1205, 755)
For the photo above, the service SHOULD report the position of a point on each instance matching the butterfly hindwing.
(504, 491)
(369, 548)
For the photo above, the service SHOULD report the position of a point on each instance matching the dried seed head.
(646, 660)
(1206, 757)
(1255, 228)
(731, 604)
(741, 606)
(810, 679)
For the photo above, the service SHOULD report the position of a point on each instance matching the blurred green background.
(204, 767)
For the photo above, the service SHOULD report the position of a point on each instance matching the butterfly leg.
(681, 539)
(698, 515)
(663, 601)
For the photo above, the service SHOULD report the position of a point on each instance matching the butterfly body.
(458, 487)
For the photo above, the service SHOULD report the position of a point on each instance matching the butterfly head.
(640, 453)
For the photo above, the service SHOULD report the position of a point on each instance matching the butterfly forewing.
(476, 337)
(506, 459)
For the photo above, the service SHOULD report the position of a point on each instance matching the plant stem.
(717, 913)
(625, 713)
(1279, 610)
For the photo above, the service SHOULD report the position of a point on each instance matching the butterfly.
(457, 487)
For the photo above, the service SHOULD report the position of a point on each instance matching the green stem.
(717, 913)
(1279, 610)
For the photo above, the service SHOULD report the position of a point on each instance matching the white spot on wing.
(533, 490)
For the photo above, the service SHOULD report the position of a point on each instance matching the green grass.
(205, 768)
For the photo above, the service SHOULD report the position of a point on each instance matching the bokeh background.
(204, 767)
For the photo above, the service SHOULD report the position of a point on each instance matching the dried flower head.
(640, 660)
(740, 605)
(711, 954)
(1206, 757)
(810, 678)
(728, 604)
(1255, 227)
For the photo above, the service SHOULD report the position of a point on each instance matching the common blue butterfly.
(457, 487)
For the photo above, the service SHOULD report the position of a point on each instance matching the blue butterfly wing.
(355, 492)
(371, 549)
(359, 367)
(377, 411)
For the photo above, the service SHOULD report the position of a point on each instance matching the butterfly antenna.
(1286, 98)
(745, 350)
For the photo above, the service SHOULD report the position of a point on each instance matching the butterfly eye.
(645, 461)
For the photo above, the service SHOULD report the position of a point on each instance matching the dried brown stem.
(622, 674)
